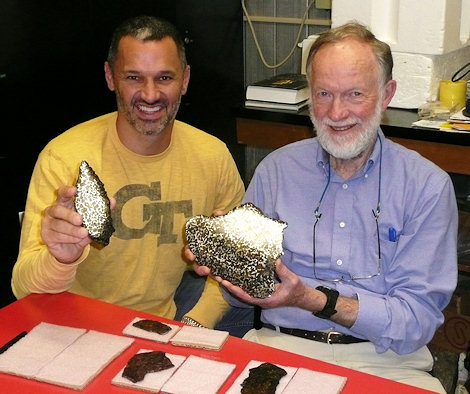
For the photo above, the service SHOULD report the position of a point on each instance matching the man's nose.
(150, 91)
(338, 109)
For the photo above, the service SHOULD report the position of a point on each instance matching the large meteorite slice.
(93, 204)
(241, 246)
(143, 363)
(263, 379)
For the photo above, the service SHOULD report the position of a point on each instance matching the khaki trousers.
(410, 368)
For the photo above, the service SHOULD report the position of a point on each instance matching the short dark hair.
(359, 32)
(146, 28)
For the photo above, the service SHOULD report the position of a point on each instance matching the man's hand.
(289, 292)
(61, 227)
(198, 269)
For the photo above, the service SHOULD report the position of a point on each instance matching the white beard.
(347, 147)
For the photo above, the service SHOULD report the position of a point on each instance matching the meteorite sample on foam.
(152, 326)
(263, 379)
(91, 201)
(241, 246)
(143, 363)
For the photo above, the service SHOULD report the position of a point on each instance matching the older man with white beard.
(370, 249)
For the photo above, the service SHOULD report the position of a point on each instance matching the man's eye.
(322, 95)
(165, 78)
(132, 77)
(356, 94)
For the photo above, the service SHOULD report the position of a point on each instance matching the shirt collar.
(322, 157)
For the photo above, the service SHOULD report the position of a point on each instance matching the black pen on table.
(12, 341)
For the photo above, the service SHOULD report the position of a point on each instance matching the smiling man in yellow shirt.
(159, 172)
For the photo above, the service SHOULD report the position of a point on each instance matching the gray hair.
(146, 28)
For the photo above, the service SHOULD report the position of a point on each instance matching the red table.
(76, 311)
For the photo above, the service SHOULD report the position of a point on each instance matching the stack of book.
(283, 91)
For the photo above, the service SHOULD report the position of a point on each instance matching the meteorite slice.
(143, 363)
(91, 201)
(241, 246)
(263, 379)
(152, 326)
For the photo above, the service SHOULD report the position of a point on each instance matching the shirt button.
(366, 176)
(339, 262)
(345, 185)
(342, 224)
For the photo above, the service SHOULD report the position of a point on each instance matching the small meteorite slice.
(93, 204)
(263, 379)
(152, 326)
(143, 363)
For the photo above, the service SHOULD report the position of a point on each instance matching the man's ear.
(186, 75)
(390, 89)
(108, 74)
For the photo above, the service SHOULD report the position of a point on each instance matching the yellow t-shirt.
(143, 265)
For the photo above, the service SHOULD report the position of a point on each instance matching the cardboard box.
(454, 334)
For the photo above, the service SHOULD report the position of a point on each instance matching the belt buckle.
(328, 337)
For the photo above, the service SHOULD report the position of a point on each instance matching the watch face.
(327, 290)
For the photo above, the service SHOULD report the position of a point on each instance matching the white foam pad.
(198, 375)
(77, 365)
(39, 347)
(61, 355)
(152, 381)
(237, 385)
(308, 381)
(153, 336)
(200, 337)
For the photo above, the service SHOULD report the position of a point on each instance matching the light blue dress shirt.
(400, 309)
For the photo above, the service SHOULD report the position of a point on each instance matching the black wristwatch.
(331, 298)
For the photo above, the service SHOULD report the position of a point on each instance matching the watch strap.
(190, 321)
(331, 299)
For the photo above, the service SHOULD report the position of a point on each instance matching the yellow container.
(452, 94)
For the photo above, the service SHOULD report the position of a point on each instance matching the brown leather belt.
(330, 337)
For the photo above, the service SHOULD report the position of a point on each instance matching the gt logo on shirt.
(157, 217)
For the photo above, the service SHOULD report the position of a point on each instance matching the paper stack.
(459, 121)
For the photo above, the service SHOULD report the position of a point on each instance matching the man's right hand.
(61, 228)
